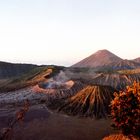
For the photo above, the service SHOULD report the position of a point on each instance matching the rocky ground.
(42, 124)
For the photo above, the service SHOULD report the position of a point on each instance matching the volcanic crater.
(91, 101)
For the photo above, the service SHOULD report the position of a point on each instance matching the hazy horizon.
(64, 32)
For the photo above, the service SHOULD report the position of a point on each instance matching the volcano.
(92, 101)
(98, 59)
(55, 93)
(105, 60)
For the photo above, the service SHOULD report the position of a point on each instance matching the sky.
(62, 32)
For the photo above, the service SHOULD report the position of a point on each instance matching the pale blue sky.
(65, 31)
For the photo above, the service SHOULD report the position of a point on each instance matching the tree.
(125, 110)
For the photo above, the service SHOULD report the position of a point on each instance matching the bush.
(125, 110)
(120, 137)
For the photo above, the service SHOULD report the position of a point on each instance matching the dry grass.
(120, 137)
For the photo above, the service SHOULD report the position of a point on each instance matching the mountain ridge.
(94, 61)
(104, 58)
(8, 69)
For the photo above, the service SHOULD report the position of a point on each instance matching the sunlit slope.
(92, 101)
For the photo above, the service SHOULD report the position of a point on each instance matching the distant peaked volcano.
(99, 59)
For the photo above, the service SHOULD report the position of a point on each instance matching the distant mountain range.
(102, 59)
(102, 62)
(11, 69)
(106, 59)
